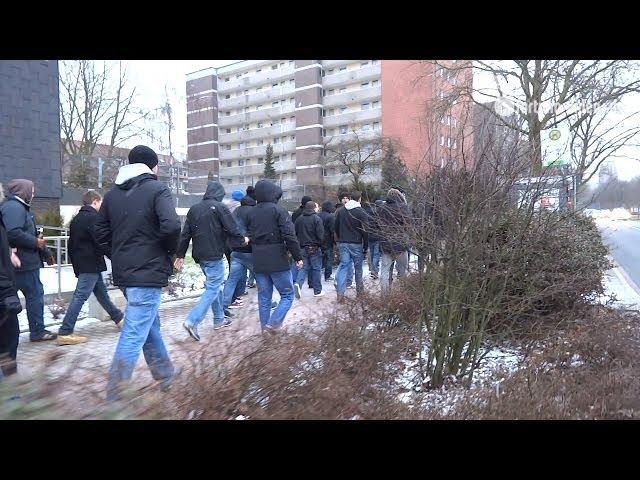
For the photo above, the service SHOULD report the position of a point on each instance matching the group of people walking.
(137, 227)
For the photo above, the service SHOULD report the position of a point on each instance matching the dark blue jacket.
(22, 233)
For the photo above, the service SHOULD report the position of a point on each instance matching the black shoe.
(228, 314)
(225, 323)
(193, 331)
(46, 335)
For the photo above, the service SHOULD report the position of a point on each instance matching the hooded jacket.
(240, 216)
(372, 224)
(351, 224)
(393, 218)
(86, 255)
(271, 231)
(300, 209)
(21, 225)
(309, 229)
(139, 229)
(328, 222)
(210, 224)
(7, 276)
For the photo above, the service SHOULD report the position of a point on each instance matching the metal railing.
(61, 245)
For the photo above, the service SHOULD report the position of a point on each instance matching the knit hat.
(143, 154)
(237, 195)
(305, 199)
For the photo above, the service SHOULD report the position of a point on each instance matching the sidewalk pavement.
(618, 283)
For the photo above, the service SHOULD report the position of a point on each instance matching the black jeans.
(9, 335)
(327, 261)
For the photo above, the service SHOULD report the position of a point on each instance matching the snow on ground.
(615, 283)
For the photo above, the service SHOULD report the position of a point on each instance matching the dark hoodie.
(393, 220)
(85, 253)
(21, 225)
(240, 216)
(328, 222)
(300, 209)
(138, 225)
(309, 229)
(210, 224)
(7, 276)
(271, 231)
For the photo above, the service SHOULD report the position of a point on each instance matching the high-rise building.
(297, 106)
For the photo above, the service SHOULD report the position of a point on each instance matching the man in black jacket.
(31, 250)
(351, 236)
(300, 209)
(328, 222)
(310, 232)
(88, 264)
(272, 234)
(210, 225)
(138, 225)
(393, 219)
(9, 304)
(374, 239)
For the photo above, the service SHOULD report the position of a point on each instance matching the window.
(227, 147)
(284, 157)
(276, 158)
(281, 64)
(292, 119)
(364, 64)
(290, 62)
(259, 125)
(246, 109)
(274, 104)
(455, 144)
(245, 127)
(275, 122)
(375, 104)
(343, 109)
(366, 127)
(330, 72)
(324, 132)
(228, 130)
(365, 106)
(238, 75)
(442, 140)
(293, 157)
(228, 180)
(343, 129)
(282, 83)
(246, 92)
(258, 89)
(343, 68)
(260, 142)
(276, 140)
(374, 62)
(331, 91)
(227, 113)
(241, 145)
(344, 170)
(241, 162)
(274, 85)
(260, 160)
(343, 89)
(274, 67)
(324, 112)
(226, 79)
(375, 83)
(258, 70)
(283, 139)
(258, 107)
(228, 164)
(364, 85)
(292, 81)
(227, 96)
(292, 100)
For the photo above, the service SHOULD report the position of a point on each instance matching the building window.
(281, 64)
(343, 68)
(260, 142)
(324, 112)
(330, 72)
(275, 122)
(376, 125)
(259, 125)
(344, 170)
(260, 160)
(364, 64)
(374, 62)
(365, 106)
(227, 113)
(246, 92)
(274, 104)
(292, 81)
(238, 75)
(276, 158)
(375, 83)
(241, 162)
(375, 104)
(324, 132)
(343, 129)
(274, 85)
(227, 147)
(226, 79)
(276, 140)
(455, 144)
(366, 127)
(227, 96)
(292, 100)
(343, 109)
(228, 130)
(293, 119)
(258, 70)
(246, 109)
(442, 140)
(324, 92)
(228, 180)
(364, 85)
(245, 127)
(274, 67)
(290, 62)
(284, 139)
(343, 89)
(331, 91)
(241, 145)
(228, 164)
(293, 157)
(258, 89)
(258, 107)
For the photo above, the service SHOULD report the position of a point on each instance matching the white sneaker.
(321, 294)
(297, 291)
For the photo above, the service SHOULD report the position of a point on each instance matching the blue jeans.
(141, 331)
(212, 296)
(374, 256)
(31, 287)
(87, 283)
(349, 253)
(252, 278)
(240, 263)
(284, 284)
(312, 268)
(327, 261)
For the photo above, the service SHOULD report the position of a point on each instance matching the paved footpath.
(89, 362)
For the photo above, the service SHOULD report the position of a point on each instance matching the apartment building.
(298, 106)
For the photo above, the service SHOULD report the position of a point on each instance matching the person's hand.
(178, 264)
(246, 241)
(15, 261)
(299, 264)
(41, 243)
(50, 260)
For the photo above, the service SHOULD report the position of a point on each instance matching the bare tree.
(357, 154)
(95, 108)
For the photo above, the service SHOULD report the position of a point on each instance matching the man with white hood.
(138, 224)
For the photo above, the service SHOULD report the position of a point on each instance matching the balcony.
(375, 178)
(289, 184)
(362, 135)
(255, 116)
(327, 64)
(256, 79)
(373, 114)
(255, 169)
(370, 72)
(266, 95)
(357, 96)
(260, 151)
(287, 128)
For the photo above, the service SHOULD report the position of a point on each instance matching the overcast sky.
(151, 76)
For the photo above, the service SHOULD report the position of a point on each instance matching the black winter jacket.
(296, 214)
(393, 218)
(139, 228)
(372, 224)
(309, 229)
(209, 223)
(271, 231)
(7, 276)
(22, 234)
(240, 215)
(351, 224)
(328, 221)
(86, 255)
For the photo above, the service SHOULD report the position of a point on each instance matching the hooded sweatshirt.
(7, 276)
(300, 209)
(210, 225)
(138, 227)
(271, 231)
(309, 229)
(21, 225)
(393, 220)
(351, 224)
(240, 216)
